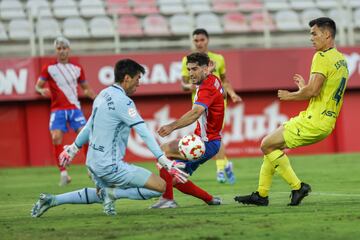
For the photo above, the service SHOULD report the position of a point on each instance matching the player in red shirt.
(208, 111)
(63, 76)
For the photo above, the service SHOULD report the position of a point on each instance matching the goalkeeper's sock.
(135, 193)
(82, 196)
(265, 177)
(190, 188)
(169, 192)
(281, 163)
(58, 148)
(220, 164)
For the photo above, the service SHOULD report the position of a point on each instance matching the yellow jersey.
(324, 109)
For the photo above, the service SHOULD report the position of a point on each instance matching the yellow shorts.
(299, 131)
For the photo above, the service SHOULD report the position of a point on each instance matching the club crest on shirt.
(132, 112)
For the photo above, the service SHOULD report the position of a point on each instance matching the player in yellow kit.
(325, 90)
(201, 41)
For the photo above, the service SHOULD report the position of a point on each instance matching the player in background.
(107, 131)
(63, 76)
(325, 91)
(201, 41)
(208, 112)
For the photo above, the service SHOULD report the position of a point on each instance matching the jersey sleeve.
(204, 97)
(44, 74)
(128, 112)
(184, 71)
(319, 64)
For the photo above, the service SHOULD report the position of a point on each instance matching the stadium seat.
(224, 6)
(156, 25)
(197, 6)
(235, 22)
(301, 5)
(354, 3)
(39, 8)
(356, 18)
(129, 26)
(339, 16)
(309, 14)
(145, 7)
(120, 7)
(170, 8)
(288, 20)
(75, 27)
(259, 22)
(3, 34)
(48, 28)
(326, 4)
(11, 9)
(19, 29)
(101, 27)
(65, 8)
(250, 5)
(91, 8)
(275, 5)
(181, 24)
(210, 22)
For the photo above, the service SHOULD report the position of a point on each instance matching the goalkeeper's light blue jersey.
(108, 129)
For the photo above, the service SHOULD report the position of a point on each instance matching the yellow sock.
(220, 164)
(282, 165)
(265, 177)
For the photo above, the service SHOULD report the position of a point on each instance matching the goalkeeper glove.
(67, 155)
(176, 169)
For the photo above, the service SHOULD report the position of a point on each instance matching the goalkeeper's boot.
(64, 180)
(229, 172)
(220, 177)
(108, 199)
(254, 198)
(215, 201)
(165, 203)
(298, 195)
(45, 202)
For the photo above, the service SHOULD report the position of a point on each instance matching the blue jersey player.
(107, 132)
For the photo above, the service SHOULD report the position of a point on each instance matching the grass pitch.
(332, 211)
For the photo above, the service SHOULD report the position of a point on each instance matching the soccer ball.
(191, 147)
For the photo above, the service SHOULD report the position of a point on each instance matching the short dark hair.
(325, 22)
(127, 67)
(200, 58)
(200, 31)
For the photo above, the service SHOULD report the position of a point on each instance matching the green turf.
(332, 211)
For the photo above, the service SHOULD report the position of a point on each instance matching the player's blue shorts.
(211, 149)
(60, 118)
(121, 175)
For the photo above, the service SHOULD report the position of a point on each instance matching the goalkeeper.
(107, 132)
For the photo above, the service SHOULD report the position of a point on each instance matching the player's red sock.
(169, 193)
(57, 150)
(191, 189)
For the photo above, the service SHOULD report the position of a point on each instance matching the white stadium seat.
(356, 18)
(340, 17)
(91, 8)
(275, 5)
(19, 29)
(39, 8)
(303, 4)
(171, 7)
(181, 24)
(309, 14)
(101, 27)
(11, 9)
(3, 34)
(210, 22)
(48, 28)
(75, 27)
(288, 20)
(326, 4)
(65, 8)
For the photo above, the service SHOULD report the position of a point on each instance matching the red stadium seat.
(145, 7)
(156, 25)
(235, 22)
(259, 22)
(223, 6)
(129, 26)
(250, 5)
(121, 7)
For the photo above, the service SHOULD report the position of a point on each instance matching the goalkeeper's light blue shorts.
(121, 175)
(211, 149)
(60, 118)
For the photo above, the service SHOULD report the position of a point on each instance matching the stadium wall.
(24, 116)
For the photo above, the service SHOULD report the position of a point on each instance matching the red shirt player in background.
(63, 77)
(208, 111)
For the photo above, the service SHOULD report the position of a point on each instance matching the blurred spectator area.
(28, 27)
